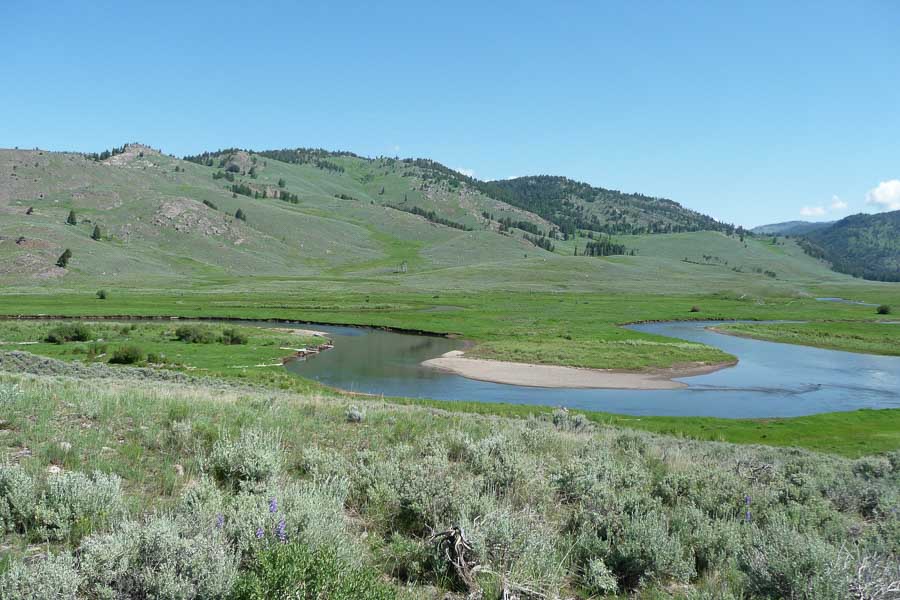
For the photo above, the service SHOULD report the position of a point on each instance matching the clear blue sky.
(749, 111)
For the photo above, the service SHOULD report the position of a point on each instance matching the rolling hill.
(862, 245)
(338, 220)
(790, 228)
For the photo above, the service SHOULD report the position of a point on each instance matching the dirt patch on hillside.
(34, 265)
(189, 216)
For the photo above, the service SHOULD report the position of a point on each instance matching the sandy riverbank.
(303, 332)
(553, 376)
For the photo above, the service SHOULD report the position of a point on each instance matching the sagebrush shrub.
(73, 499)
(160, 558)
(51, 578)
(255, 457)
(18, 498)
(780, 562)
(598, 579)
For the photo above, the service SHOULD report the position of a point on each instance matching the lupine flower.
(273, 505)
(260, 533)
(280, 531)
(220, 521)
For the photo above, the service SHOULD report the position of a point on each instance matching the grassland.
(229, 351)
(869, 338)
(553, 504)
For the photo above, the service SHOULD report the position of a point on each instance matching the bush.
(18, 496)
(295, 571)
(158, 559)
(783, 563)
(126, 355)
(254, 458)
(68, 332)
(695, 309)
(884, 309)
(233, 337)
(74, 504)
(195, 334)
(598, 579)
(101, 294)
(52, 578)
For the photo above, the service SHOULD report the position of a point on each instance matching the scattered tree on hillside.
(71, 220)
(101, 294)
(241, 188)
(604, 246)
(281, 182)
(95, 235)
(884, 309)
(239, 214)
(63, 260)
(30, 210)
(540, 242)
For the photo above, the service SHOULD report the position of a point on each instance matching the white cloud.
(466, 172)
(838, 204)
(820, 210)
(812, 211)
(886, 196)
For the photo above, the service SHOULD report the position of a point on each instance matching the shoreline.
(557, 376)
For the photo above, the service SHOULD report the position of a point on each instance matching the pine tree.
(63, 259)
(95, 235)
(282, 183)
(71, 220)
(239, 214)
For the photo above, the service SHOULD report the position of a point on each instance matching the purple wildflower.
(280, 531)
(220, 521)
(273, 505)
(260, 533)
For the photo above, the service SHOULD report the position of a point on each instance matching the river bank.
(554, 376)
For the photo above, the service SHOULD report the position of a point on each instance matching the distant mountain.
(861, 245)
(573, 205)
(790, 228)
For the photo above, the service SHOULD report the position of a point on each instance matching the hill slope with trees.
(862, 245)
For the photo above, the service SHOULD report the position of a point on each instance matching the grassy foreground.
(869, 338)
(224, 492)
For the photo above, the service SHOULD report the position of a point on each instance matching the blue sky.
(750, 111)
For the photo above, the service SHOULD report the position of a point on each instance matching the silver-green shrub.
(52, 578)
(72, 498)
(18, 498)
(254, 458)
(161, 558)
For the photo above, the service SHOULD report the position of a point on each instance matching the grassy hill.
(337, 217)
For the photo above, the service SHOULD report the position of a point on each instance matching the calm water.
(770, 380)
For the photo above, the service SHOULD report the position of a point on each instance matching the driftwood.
(458, 552)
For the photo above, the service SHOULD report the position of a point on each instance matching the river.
(770, 379)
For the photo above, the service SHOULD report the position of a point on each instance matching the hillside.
(341, 220)
(861, 245)
(790, 228)
(573, 205)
